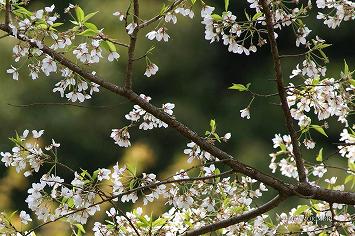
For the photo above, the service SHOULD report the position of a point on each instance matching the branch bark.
(7, 12)
(132, 46)
(237, 219)
(282, 92)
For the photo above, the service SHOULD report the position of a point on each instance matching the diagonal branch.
(282, 92)
(132, 46)
(303, 190)
(237, 219)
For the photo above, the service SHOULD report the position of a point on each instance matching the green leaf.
(89, 16)
(216, 17)
(351, 166)
(91, 26)
(80, 228)
(74, 22)
(22, 12)
(319, 129)
(79, 14)
(213, 125)
(95, 174)
(193, 2)
(226, 4)
(246, 15)
(88, 33)
(257, 15)
(240, 87)
(57, 24)
(348, 179)
(346, 68)
(111, 46)
(217, 137)
(159, 222)
(320, 155)
(301, 209)
(325, 58)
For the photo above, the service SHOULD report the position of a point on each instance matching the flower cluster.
(89, 54)
(147, 122)
(327, 97)
(227, 28)
(338, 12)
(287, 165)
(27, 154)
(348, 150)
(159, 35)
(310, 69)
(75, 88)
(195, 152)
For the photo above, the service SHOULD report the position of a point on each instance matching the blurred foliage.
(193, 74)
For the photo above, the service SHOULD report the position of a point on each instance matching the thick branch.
(132, 46)
(282, 92)
(237, 219)
(7, 12)
(304, 191)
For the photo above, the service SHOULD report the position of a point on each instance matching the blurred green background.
(193, 74)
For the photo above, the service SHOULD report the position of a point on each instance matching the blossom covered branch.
(212, 200)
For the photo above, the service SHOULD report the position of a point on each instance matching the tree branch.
(282, 92)
(7, 12)
(237, 219)
(304, 191)
(132, 47)
(158, 17)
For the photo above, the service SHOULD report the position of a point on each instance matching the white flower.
(295, 72)
(25, 218)
(168, 108)
(113, 56)
(14, 72)
(37, 134)
(226, 137)
(302, 33)
(152, 69)
(103, 174)
(74, 96)
(184, 12)
(206, 11)
(121, 137)
(161, 34)
(120, 15)
(245, 113)
(169, 17)
(151, 35)
(131, 27)
(48, 65)
(49, 9)
(310, 144)
(319, 171)
(331, 180)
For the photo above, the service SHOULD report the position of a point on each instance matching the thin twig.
(62, 104)
(158, 17)
(293, 55)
